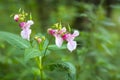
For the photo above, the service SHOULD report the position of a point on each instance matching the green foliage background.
(98, 52)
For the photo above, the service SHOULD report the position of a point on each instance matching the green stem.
(40, 61)
(40, 67)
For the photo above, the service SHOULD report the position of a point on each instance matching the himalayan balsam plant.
(36, 47)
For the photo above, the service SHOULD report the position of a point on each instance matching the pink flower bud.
(16, 17)
(39, 40)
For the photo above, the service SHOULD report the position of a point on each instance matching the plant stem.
(40, 61)
(40, 67)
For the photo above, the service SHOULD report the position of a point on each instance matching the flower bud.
(16, 17)
(43, 38)
(22, 18)
(39, 40)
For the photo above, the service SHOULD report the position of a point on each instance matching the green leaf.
(64, 67)
(31, 53)
(54, 47)
(14, 39)
(30, 16)
(106, 49)
(83, 15)
(46, 42)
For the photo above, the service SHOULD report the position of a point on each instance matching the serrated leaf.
(64, 67)
(31, 53)
(14, 40)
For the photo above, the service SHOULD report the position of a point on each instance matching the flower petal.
(28, 24)
(62, 30)
(71, 45)
(22, 25)
(25, 33)
(58, 40)
(76, 33)
(52, 31)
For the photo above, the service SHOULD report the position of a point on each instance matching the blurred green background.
(98, 53)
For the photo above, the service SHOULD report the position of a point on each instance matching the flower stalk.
(40, 67)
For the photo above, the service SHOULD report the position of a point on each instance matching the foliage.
(97, 55)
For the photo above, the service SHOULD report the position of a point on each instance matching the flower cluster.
(24, 25)
(61, 34)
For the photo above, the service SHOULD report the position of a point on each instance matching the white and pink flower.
(71, 45)
(57, 34)
(26, 31)
(62, 35)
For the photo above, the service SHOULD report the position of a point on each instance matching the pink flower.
(57, 34)
(58, 37)
(61, 35)
(26, 31)
(71, 45)
(16, 17)
(58, 40)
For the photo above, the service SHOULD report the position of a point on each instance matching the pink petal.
(58, 40)
(71, 45)
(28, 24)
(65, 37)
(69, 37)
(76, 33)
(22, 25)
(52, 31)
(25, 33)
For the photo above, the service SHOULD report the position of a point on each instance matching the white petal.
(30, 22)
(25, 33)
(71, 45)
(76, 33)
(63, 29)
(58, 40)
